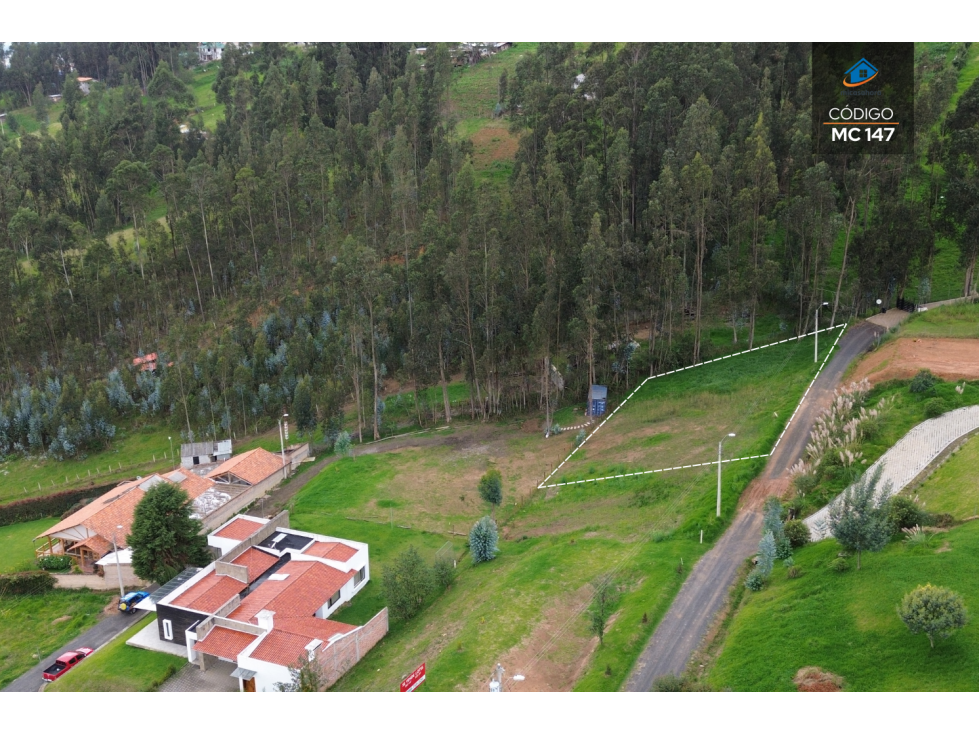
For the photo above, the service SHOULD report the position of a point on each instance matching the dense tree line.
(332, 231)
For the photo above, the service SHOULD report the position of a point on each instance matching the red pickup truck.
(66, 662)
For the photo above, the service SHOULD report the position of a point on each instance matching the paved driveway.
(189, 679)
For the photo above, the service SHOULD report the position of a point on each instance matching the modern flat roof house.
(267, 601)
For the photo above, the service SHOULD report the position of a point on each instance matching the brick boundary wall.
(345, 653)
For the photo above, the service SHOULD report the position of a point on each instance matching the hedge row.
(27, 582)
(52, 505)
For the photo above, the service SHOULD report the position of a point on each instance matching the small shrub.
(343, 446)
(940, 520)
(794, 572)
(797, 533)
(491, 487)
(444, 572)
(917, 537)
(936, 407)
(54, 563)
(579, 438)
(755, 581)
(645, 618)
(483, 540)
(840, 565)
(923, 382)
(669, 683)
(933, 610)
(904, 512)
(816, 680)
(608, 671)
(805, 483)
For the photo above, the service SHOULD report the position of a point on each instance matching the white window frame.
(167, 629)
(363, 576)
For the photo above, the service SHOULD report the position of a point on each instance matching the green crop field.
(848, 624)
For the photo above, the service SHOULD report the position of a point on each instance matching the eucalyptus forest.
(330, 236)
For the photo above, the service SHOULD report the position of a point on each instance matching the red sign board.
(414, 680)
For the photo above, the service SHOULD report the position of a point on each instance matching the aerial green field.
(955, 320)
(954, 487)
(848, 624)
(17, 542)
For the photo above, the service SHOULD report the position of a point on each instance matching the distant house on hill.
(84, 84)
(205, 452)
(209, 51)
(146, 363)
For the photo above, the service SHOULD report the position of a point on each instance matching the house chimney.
(265, 619)
(312, 647)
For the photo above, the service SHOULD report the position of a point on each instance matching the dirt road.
(703, 593)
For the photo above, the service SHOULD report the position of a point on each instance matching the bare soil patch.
(753, 498)
(493, 143)
(547, 667)
(901, 359)
(817, 680)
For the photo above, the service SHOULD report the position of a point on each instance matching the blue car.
(129, 601)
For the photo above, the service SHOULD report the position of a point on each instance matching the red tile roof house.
(267, 601)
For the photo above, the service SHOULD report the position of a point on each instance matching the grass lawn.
(954, 488)
(17, 542)
(677, 419)
(42, 623)
(120, 667)
(956, 320)
(848, 624)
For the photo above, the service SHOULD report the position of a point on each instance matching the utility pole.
(815, 357)
(719, 445)
(115, 550)
(170, 439)
(282, 443)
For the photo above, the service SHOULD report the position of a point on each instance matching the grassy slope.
(954, 488)
(28, 625)
(17, 543)
(959, 320)
(120, 667)
(551, 551)
(676, 419)
(847, 623)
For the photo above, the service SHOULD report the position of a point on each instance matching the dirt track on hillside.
(950, 359)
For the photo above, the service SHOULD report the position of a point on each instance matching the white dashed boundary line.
(544, 484)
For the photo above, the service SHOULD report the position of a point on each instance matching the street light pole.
(282, 444)
(115, 549)
(815, 357)
(170, 439)
(719, 445)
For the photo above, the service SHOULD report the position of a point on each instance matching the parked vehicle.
(129, 601)
(66, 662)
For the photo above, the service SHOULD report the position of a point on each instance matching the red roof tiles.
(307, 587)
(333, 551)
(239, 529)
(252, 466)
(225, 643)
(258, 562)
(287, 641)
(210, 593)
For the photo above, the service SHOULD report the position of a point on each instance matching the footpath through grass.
(41, 624)
(848, 623)
(120, 667)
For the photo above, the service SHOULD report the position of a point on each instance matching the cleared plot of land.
(954, 488)
(676, 420)
(901, 359)
(42, 623)
(847, 623)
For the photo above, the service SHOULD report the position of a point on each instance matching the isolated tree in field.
(164, 538)
(603, 604)
(933, 610)
(859, 519)
(407, 583)
(305, 676)
(491, 487)
(483, 540)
